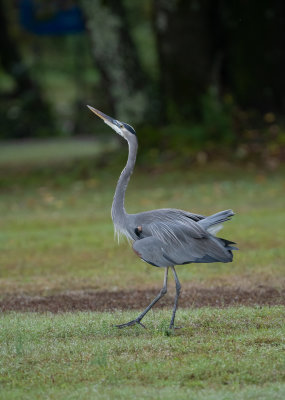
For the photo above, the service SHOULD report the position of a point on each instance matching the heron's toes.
(135, 321)
(175, 327)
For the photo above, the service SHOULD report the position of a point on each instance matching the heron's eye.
(121, 126)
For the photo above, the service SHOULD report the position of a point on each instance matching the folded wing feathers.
(175, 229)
(173, 226)
(216, 219)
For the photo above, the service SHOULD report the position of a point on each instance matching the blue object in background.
(63, 22)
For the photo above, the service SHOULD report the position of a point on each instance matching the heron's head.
(121, 128)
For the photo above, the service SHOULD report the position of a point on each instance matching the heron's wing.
(171, 226)
(182, 239)
(152, 250)
(207, 250)
(177, 226)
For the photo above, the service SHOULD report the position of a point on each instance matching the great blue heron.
(165, 237)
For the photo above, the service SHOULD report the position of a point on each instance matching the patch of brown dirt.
(138, 299)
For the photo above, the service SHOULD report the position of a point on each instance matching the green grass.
(59, 237)
(48, 152)
(218, 354)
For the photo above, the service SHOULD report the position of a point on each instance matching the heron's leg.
(158, 297)
(178, 288)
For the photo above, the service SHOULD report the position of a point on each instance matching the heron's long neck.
(118, 206)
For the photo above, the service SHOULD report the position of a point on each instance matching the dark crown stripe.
(129, 128)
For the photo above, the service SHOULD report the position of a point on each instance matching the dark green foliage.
(254, 52)
(23, 110)
(24, 117)
(214, 129)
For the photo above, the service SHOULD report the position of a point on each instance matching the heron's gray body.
(168, 237)
(165, 237)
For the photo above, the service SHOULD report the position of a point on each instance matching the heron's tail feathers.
(228, 244)
(213, 223)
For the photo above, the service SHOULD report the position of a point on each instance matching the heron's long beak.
(101, 115)
(113, 123)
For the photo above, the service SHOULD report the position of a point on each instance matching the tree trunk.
(184, 45)
(116, 58)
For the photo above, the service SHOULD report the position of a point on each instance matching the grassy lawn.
(218, 354)
(60, 236)
(36, 153)
(56, 235)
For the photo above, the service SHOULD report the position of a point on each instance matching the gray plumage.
(165, 237)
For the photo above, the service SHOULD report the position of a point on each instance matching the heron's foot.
(135, 321)
(175, 327)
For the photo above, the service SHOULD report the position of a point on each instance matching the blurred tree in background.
(116, 58)
(191, 75)
(23, 110)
